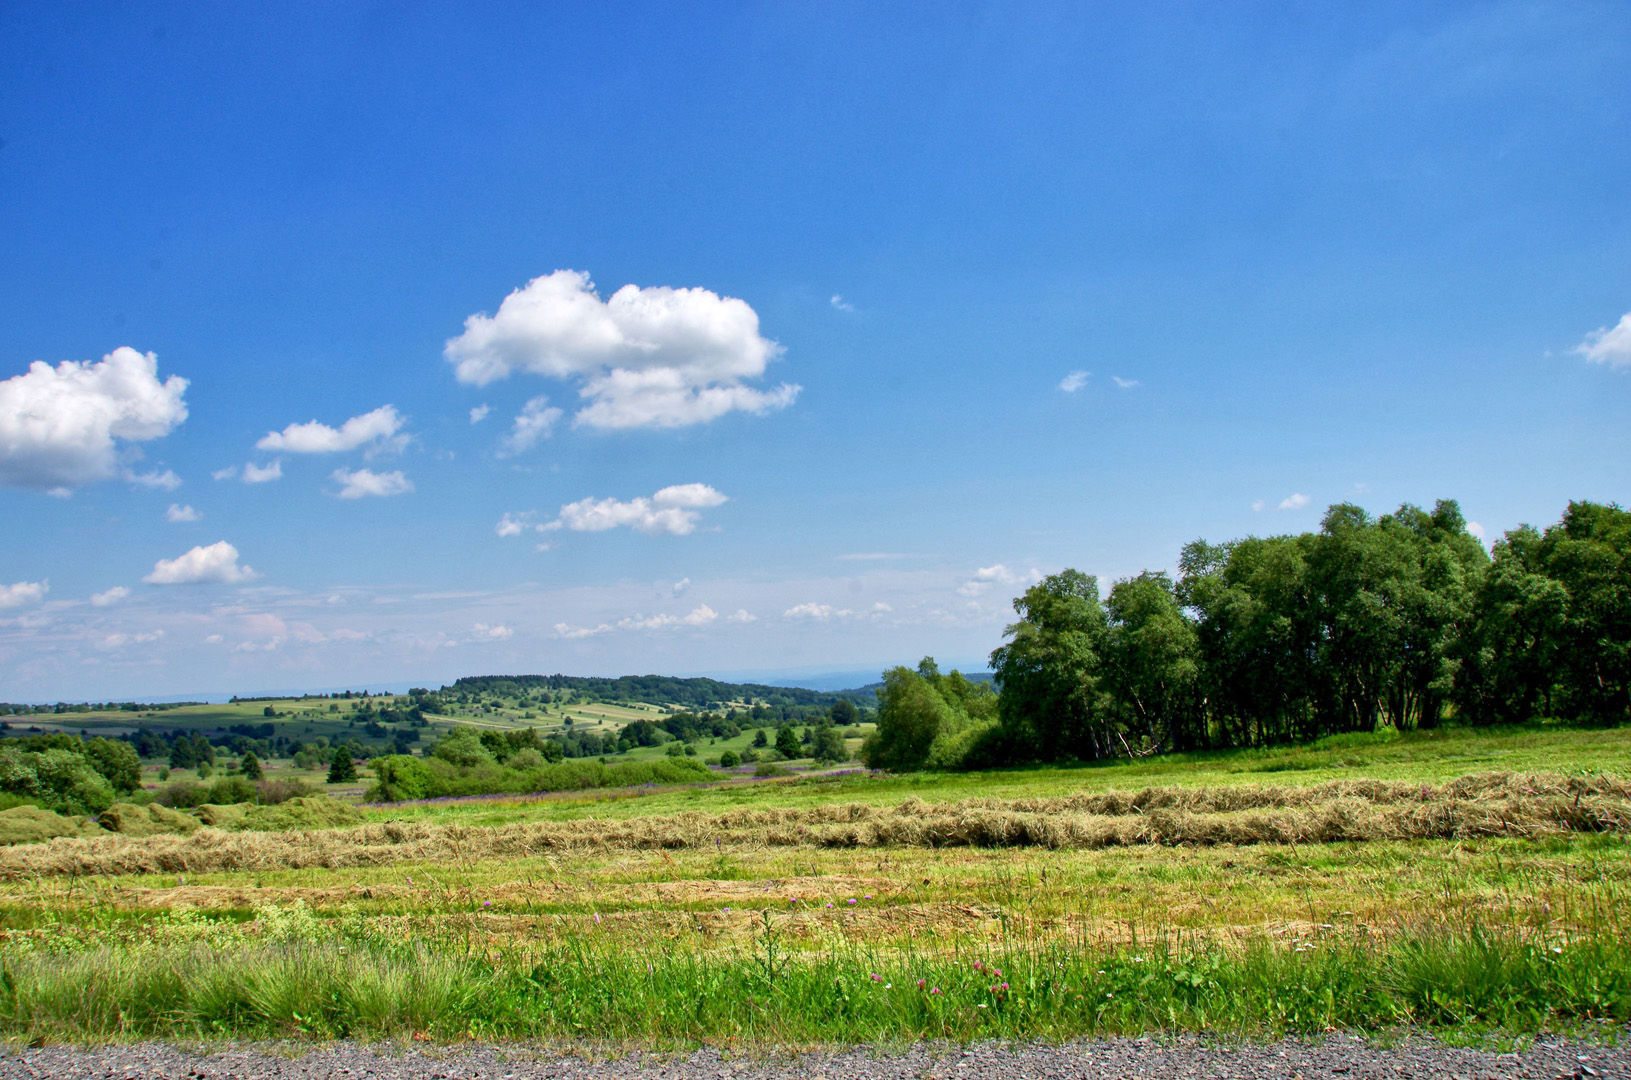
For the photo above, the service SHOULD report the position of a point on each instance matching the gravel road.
(1342, 1056)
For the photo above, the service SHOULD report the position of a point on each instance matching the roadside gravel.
(1343, 1057)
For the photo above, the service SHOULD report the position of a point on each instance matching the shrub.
(770, 768)
(273, 792)
(730, 759)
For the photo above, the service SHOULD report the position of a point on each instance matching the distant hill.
(656, 690)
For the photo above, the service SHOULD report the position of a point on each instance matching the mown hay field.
(1366, 883)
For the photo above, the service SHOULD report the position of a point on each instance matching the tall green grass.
(305, 980)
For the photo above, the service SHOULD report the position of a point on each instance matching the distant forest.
(654, 690)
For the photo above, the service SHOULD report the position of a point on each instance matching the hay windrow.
(1492, 804)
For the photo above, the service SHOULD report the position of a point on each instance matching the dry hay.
(31, 824)
(1493, 804)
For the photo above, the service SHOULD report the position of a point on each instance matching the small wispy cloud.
(362, 483)
(167, 479)
(1125, 384)
(1609, 345)
(840, 304)
(262, 474)
(1295, 501)
(1074, 381)
(178, 513)
(479, 413)
(111, 597)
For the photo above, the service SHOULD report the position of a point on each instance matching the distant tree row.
(1402, 621)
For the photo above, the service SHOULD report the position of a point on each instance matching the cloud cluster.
(22, 592)
(379, 427)
(674, 511)
(1610, 345)
(484, 632)
(178, 514)
(60, 427)
(362, 483)
(1074, 381)
(699, 616)
(658, 357)
(813, 612)
(216, 564)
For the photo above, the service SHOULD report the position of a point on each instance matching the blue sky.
(920, 305)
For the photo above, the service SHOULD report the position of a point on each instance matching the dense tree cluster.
(68, 774)
(647, 689)
(1402, 621)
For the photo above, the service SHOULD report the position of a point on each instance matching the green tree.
(342, 770)
(250, 765)
(1050, 671)
(760, 740)
(827, 745)
(787, 742)
(730, 759)
(912, 714)
(1151, 663)
(844, 712)
(117, 761)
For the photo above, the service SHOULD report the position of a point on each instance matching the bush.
(273, 792)
(730, 759)
(675, 749)
(770, 768)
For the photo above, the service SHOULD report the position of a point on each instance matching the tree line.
(1402, 621)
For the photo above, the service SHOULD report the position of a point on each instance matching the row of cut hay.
(1492, 805)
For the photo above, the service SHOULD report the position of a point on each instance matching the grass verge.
(297, 980)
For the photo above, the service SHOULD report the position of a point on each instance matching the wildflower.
(486, 903)
(997, 972)
(920, 984)
(981, 1005)
(936, 990)
(829, 904)
(597, 918)
(876, 977)
(978, 966)
(727, 911)
(868, 896)
(852, 899)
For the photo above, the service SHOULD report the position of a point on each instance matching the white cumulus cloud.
(314, 437)
(657, 357)
(60, 427)
(1609, 345)
(1074, 381)
(22, 592)
(483, 632)
(479, 413)
(179, 513)
(111, 597)
(1294, 501)
(674, 510)
(535, 421)
(217, 563)
(361, 483)
(262, 474)
(742, 616)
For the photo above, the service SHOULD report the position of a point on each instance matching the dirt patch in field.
(1494, 804)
